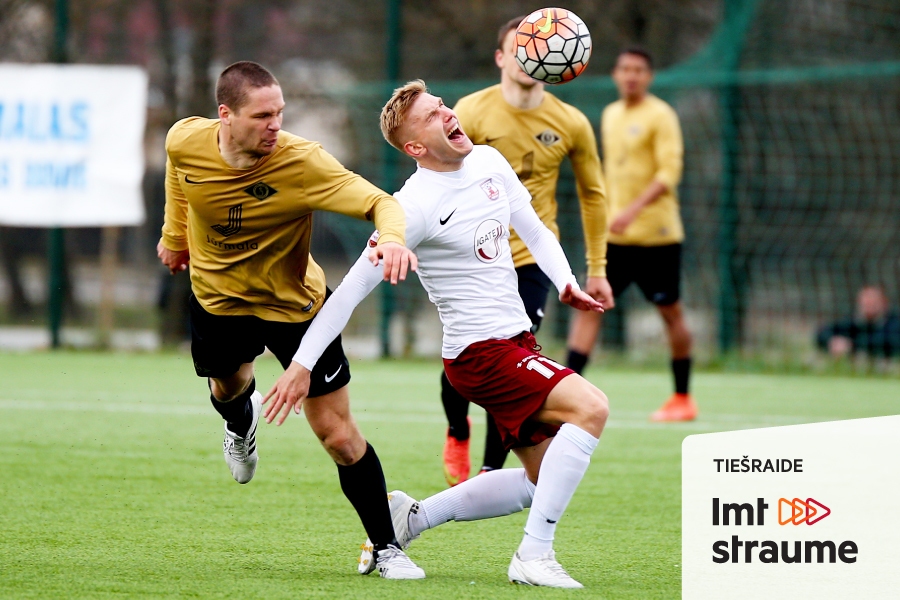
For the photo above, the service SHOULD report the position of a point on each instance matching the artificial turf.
(113, 483)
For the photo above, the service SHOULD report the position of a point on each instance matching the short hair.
(394, 112)
(237, 79)
(637, 51)
(504, 30)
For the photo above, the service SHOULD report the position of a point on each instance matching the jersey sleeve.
(544, 247)
(668, 149)
(174, 229)
(331, 319)
(591, 195)
(330, 186)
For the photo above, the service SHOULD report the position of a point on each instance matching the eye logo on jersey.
(261, 190)
(492, 191)
(548, 137)
(488, 236)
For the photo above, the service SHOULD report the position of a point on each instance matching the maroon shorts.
(511, 381)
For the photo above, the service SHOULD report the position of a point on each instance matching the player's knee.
(594, 411)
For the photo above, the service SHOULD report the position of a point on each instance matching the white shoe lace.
(236, 448)
(396, 558)
(550, 563)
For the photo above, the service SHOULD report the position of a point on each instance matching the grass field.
(114, 485)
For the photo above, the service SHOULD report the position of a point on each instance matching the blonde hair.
(394, 112)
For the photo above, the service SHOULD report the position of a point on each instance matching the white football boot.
(392, 563)
(240, 452)
(401, 507)
(543, 571)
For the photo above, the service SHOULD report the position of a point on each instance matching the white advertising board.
(805, 511)
(71, 145)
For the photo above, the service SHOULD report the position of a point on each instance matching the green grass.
(114, 486)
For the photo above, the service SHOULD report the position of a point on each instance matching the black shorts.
(655, 269)
(534, 286)
(220, 344)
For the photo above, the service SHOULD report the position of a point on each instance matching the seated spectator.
(874, 330)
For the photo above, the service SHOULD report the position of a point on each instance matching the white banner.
(806, 511)
(71, 145)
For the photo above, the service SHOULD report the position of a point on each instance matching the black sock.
(494, 450)
(238, 413)
(681, 368)
(456, 408)
(363, 484)
(576, 361)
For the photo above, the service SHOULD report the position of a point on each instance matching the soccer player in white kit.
(459, 206)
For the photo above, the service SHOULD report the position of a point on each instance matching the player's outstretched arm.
(293, 386)
(551, 258)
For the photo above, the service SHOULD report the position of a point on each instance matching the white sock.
(564, 464)
(492, 494)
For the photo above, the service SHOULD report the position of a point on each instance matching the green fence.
(792, 135)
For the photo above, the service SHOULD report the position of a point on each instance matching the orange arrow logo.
(798, 511)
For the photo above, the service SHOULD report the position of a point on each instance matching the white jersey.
(458, 225)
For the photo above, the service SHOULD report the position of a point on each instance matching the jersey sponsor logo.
(488, 236)
(444, 221)
(227, 246)
(492, 191)
(548, 137)
(234, 222)
(261, 190)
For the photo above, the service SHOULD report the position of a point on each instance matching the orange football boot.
(680, 407)
(456, 458)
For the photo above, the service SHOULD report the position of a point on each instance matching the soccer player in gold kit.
(643, 153)
(534, 131)
(240, 194)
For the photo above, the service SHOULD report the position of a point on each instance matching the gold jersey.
(248, 230)
(642, 144)
(535, 142)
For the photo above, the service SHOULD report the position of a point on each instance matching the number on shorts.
(534, 365)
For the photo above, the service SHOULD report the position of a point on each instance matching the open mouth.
(455, 134)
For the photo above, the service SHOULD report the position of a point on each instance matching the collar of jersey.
(455, 179)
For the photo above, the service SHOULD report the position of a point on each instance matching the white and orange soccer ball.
(553, 45)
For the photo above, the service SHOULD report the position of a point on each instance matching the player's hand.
(599, 289)
(289, 391)
(580, 300)
(176, 260)
(621, 223)
(398, 259)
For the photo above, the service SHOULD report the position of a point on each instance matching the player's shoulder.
(294, 144)
(564, 112)
(184, 130)
(613, 109)
(660, 107)
(484, 157)
(478, 99)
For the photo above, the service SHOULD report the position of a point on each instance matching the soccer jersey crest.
(492, 191)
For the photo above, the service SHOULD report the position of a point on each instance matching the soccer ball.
(553, 45)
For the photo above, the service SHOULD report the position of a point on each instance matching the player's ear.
(414, 149)
(498, 58)
(225, 114)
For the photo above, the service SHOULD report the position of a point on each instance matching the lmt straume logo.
(797, 511)
(790, 512)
